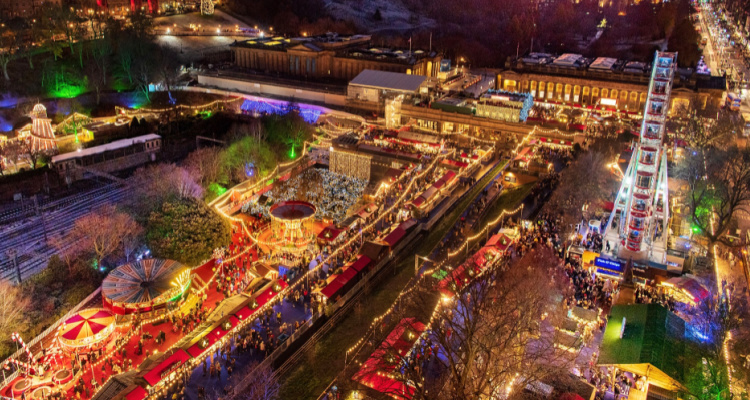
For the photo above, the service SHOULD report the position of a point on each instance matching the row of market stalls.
(338, 284)
(429, 196)
(451, 282)
(161, 371)
(381, 370)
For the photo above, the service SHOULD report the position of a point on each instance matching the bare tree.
(495, 332)
(500, 331)
(13, 305)
(68, 250)
(31, 152)
(154, 184)
(706, 128)
(718, 188)
(104, 231)
(587, 180)
(204, 165)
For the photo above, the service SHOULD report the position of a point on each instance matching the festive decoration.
(351, 164)
(308, 113)
(17, 338)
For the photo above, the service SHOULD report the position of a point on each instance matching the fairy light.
(280, 294)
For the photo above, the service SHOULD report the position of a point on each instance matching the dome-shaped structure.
(145, 285)
(87, 327)
(39, 111)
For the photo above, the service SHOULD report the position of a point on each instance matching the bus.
(733, 102)
(746, 124)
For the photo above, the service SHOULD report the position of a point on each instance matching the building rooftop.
(643, 335)
(117, 144)
(603, 63)
(389, 80)
(403, 56)
(329, 41)
(569, 60)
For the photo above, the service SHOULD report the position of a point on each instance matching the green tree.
(186, 230)
(247, 158)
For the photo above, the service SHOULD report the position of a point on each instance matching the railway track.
(26, 236)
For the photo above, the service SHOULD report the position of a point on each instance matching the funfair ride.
(638, 226)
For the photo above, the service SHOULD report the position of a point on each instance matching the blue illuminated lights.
(309, 114)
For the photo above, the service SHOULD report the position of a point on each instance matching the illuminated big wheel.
(292, 225)
(87, 327)
(145, 285)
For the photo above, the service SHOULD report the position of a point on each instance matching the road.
(722, 53)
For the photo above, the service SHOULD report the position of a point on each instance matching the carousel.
(144, 286)
(86, 327)
(291, 229)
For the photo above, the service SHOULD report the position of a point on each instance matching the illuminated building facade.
(24, 8)
(573, 80)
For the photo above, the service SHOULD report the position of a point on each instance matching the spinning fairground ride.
(291, 230)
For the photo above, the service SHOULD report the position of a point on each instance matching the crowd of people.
(649, 294)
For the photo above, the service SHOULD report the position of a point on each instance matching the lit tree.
(207, 7)
(8, 49)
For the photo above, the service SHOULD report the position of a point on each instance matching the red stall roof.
(454, 163)
(243, 313)
(330, 290)
(138, 393)
(394, 237)
(439, 184)
(330, 233)
(501, 241)
(448, 176)
(350, 273)
(418, 201)
(374, 372)
(175, 360)
(361, 263)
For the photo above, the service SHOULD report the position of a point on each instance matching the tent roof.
(652, 343)
(389, 80)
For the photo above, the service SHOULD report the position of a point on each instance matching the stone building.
(573, 80)
(330, 56)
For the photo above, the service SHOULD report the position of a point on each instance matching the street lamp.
(416, 262)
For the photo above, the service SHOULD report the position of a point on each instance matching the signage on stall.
(605, 263)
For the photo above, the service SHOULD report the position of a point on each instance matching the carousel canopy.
(145, 281)
(85, 325)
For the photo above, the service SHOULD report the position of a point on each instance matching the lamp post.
(416, 262)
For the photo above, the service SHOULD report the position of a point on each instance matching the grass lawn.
(314, 372)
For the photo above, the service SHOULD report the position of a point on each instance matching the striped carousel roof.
(85, 324)
(142, 281)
